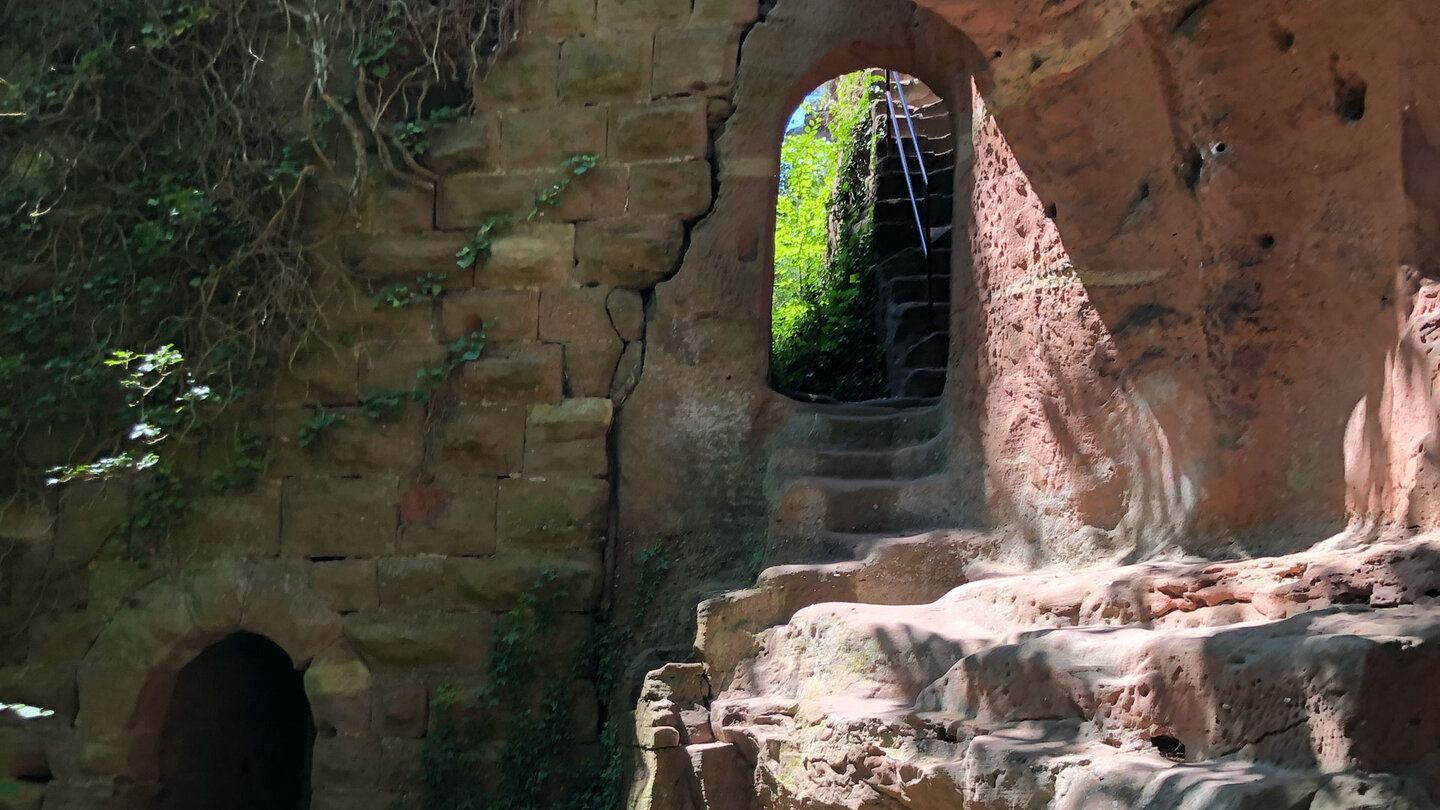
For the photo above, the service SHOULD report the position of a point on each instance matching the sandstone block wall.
(379, 557)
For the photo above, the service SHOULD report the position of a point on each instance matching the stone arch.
(801, 44)
(128, 676)
(703, 413)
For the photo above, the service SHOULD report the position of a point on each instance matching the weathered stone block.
(358, 446)
(635, 253)
(479, 440)
(600, 192)
(27, 518)
(395, 365)
(402, 257)
(517, 374)
(578, 313)
(523, 77)
(590, 366)
(665, 130)
(559, 513)
(505, 316)
(570, 421)
(695, 60)
(412, 581)
(246, 524)
(415, 322)
(544, 138)
(473, 144)
(401, 707)
(421, 640)
(399, 762)
(337, 684)
(345, 761)
(735, 12)
(681, 190)
(534, 255)
(627, 372)
(627, 313)
(607, 67)
(346, 585)
(323, 375)
(62, 637)
(459, 518)
(466, 201)
(497, 583)
(90, 513)
(649, 14)
(563, 19)
(338, 517)
(392, 209)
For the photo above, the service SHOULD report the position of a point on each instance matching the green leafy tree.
(823, 328)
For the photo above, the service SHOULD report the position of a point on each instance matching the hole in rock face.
(1169, 747)
(1191, 165)
(1267, 242)
(238, 733)
(1221, 148)
(1052, 211)
(1350, 94)
(1284, 38)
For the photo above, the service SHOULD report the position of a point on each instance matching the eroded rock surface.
(1296, 681)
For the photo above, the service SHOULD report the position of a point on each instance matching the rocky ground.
(1303, 681)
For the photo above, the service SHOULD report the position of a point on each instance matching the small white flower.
(143, 430)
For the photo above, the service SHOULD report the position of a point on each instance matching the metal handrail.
(910, 122)
(905, 167)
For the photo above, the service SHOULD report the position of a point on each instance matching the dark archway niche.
(238, 734)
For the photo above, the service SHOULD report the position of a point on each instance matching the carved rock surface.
(1296, 681)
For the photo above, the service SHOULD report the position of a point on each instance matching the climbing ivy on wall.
(158, 159)
(824, 338)
(527, 700)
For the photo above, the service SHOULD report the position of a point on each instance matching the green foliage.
(154, 159)
(529, 695)
(427, 287)
(480, 245)
(383, 405)
(414, 135)
(241, 470)
(825, 340)
(159, 401)
(315, 427)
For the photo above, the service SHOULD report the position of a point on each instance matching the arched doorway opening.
(863, 230)
(238, 734)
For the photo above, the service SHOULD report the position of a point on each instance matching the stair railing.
(905, 161)
(920, 219)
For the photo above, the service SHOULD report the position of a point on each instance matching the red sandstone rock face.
(1180, 335)
(1052, 690)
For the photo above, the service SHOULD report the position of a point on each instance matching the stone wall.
(380, 557)
(1189, 219)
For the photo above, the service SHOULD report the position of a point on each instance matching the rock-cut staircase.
(913, 278)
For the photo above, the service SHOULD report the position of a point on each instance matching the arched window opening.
(864, 213)
(238, 734)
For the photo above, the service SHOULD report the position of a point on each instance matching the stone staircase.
(841, 477)
(914, 286)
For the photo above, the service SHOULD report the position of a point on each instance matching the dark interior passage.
(238, 734)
